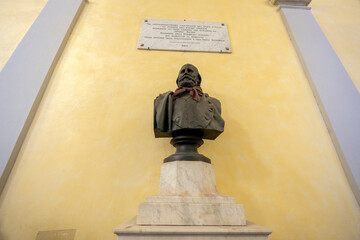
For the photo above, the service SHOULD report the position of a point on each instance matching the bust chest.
(188, 113)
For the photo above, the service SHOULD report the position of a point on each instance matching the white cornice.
(290, 2)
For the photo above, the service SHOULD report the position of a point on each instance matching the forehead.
(189, 66)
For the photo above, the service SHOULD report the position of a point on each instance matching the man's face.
(188, 76)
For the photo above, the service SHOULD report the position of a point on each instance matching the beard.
(187, 81)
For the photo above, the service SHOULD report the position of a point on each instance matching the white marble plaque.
(181, 35)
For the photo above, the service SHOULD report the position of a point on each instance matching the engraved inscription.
(184, 35)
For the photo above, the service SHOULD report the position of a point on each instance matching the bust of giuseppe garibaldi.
(188, 108)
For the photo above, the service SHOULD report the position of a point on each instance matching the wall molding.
(291, 2)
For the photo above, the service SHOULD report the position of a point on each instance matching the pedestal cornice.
(290, 2)
(131, 231)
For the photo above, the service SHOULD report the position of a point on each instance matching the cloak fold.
(163, 107)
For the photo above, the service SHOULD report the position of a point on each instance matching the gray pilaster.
(25, 76)
(335, 92)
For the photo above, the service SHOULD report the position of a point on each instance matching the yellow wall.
(90, 156)
(16, 17)
(340, 22)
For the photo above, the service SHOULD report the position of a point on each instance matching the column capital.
(290, 2)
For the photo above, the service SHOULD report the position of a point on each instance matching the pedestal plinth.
(131, 231)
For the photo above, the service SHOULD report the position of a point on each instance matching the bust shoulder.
(165, 94)
(163, 97)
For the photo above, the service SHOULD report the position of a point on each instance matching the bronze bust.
(188, 108)
(187, 115)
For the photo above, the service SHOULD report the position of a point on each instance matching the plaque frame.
(182, 35)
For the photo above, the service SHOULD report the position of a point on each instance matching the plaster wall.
(340, 22)
(90, 156)
(16, 17)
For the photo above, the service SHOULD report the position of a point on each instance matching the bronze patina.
(187, 115)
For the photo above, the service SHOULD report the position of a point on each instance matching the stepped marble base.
(188, 196)
(191, 214)
(131, 231)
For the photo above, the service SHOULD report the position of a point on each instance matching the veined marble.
(190, 214)
(188, 196)
(179, 199)
(187, 178)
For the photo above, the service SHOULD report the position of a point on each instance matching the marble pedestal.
(188, 206)
(188, 196)
(131, 231)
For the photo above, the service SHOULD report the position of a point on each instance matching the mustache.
(187, 76)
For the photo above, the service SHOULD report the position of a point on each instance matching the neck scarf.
(195, 92)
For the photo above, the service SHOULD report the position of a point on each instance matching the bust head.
(188, 76)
